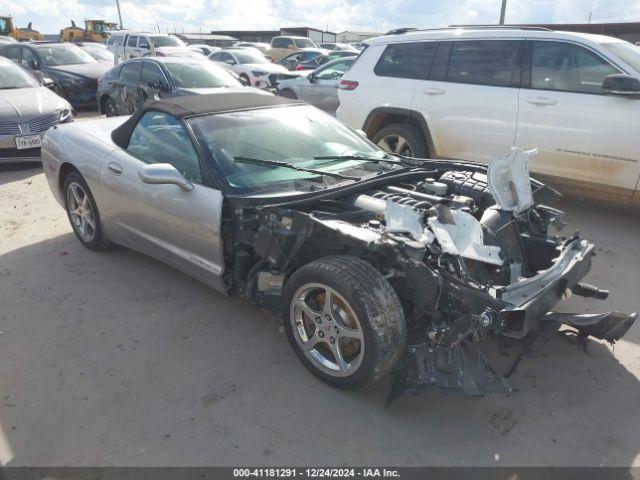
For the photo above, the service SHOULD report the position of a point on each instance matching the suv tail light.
(347, 85)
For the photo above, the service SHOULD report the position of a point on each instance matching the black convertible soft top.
(189, 105)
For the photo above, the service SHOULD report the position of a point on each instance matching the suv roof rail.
(501, 27)
(400, 31)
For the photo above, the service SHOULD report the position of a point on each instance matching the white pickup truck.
(132, 44)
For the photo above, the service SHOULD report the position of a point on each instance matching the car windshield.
(250, 57)
(304, 43)
(200, 74)
(64, 55)
(630, 54)
(165, 41)
(101, 55)
(292, 134)
(12, 76)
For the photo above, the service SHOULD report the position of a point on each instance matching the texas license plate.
(28, 141)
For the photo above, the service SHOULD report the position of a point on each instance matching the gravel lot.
(116, 359)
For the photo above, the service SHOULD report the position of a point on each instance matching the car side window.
(226, 57)
(567, 67)
(335, 71)
(406, 60)
(216, 57)
(13, 53)
(29, 59)
(143, 43)
(130, 72)
(279, 43)
(483, 62)
(133, 41)
(153, 77)
(308, 56)
(161, 138)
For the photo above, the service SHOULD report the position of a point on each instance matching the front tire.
(83, 213)
(403, 139)
(110, 108)
(344, 321)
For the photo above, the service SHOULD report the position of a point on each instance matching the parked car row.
(452, 93)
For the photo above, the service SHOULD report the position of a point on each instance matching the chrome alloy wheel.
(327, 330)
(80, 212)
(394, 143)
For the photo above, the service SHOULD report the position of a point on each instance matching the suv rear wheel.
(401, 138)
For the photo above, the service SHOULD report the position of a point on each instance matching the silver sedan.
(27, 110)
(318, 87)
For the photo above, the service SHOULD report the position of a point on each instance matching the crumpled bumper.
(521, 313)
(462, 369)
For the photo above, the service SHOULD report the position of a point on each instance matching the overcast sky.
(49, 16)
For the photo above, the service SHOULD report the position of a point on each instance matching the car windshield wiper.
(279, 163)
(357, 157)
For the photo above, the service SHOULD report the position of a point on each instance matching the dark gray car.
(74, 72)
(122, 89)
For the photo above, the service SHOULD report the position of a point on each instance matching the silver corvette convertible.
(378, 264)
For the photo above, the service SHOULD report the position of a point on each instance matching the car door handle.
(115, 168)
(542, 101)
(433, 91)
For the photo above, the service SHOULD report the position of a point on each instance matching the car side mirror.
(311, 77)
(621, 84)
(158, 85)
(362, 133)
(164, 174)
(47, 82)
(230, 62)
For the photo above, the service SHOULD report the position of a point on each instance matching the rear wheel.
(401, 138)
(83, 213)
(110, 108)
(286, 93)
(344, 321)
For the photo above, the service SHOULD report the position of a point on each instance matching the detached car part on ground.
(379, 264)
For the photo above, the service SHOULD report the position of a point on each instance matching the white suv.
(471, 94)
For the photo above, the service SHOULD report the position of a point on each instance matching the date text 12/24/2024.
(315, 472)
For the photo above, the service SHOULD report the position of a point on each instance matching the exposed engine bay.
(467, 248)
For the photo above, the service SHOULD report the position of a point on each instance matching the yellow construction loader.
(93, 31)
(21, 34)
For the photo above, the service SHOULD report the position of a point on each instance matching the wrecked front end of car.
(467, 248)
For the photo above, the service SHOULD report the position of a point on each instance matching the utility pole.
(503, 11)
(119, 14)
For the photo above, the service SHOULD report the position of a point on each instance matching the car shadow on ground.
(13, 172)
(113, 358)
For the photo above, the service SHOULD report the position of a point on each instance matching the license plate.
(28, 141)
